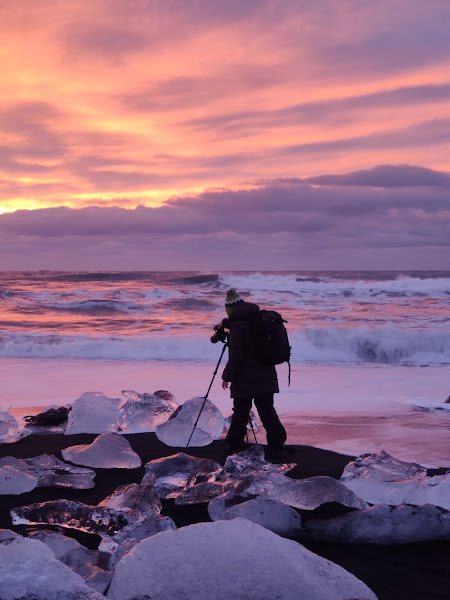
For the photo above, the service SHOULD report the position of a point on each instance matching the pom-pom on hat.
(232, 298)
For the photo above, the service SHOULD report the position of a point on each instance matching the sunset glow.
(108, 103)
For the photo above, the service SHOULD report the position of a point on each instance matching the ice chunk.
(229, 559)
(382, 479)
(14, 481)
(268, 513)
(204, 492)
(93, 566)
(126, 539)
(107, 451)
(307, 494)
(139, 502)
(89, 565)
(251, 461)
(177, 430)
(28, 569)
(9, 428)
(74, 515)
(171, 475)
(143, 412)
(93, 412)
(384, 524)
(234, 476)
(52, 472)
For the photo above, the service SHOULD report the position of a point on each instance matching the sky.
(212, 135)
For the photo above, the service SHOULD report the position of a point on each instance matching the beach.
(399, 571)
(369, 373)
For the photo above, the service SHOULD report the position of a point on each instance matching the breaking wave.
(328, 346)
(402, 285)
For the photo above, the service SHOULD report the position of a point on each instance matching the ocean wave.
(402, 285)
(100, 276)
(196, 279)
(333, 345)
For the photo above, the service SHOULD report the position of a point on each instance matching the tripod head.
(220, 335)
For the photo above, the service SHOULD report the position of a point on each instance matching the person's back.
(250, 379)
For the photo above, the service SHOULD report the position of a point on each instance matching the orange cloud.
(110, 103)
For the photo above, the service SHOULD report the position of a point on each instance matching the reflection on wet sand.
(416, 436)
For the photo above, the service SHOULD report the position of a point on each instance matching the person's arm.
(236, 353)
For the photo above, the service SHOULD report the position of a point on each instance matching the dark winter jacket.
(248, 377)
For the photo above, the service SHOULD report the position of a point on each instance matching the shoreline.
(400, 571)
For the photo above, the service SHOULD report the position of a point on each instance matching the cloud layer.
(161, 132)
(103, 101)
(280, 224)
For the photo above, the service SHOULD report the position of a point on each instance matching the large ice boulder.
(268, 513)
(144, 412)
(29, 569)
(10, 431)
(93, 412)
(14, 481)
(307, 494)
(107, 451)
(171, 475)
(229, 559)
(176, 432)
(50, 471)
(383, 479)
(384, 524)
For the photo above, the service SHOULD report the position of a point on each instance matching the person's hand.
(225, 384)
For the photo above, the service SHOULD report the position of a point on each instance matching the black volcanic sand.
(401, 571)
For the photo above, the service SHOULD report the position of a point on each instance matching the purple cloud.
(348, 109)
(387, 176)
(319, 216)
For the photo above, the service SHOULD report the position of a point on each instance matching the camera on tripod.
(220, 335)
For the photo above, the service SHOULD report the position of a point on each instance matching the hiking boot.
(235, 449)
(274, 454)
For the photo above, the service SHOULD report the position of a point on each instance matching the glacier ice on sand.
(93, 412)
(171, 475)
(29, 569)
(71, 514)
(381, 478)
(10, 431)
(144, 412)
(384, 524)
(93, 566)
(176, 431)
(229, 559)
(107, 451)
(268, 513)
(51, 472)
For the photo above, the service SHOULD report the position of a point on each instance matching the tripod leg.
(253, 429)
(206, 397)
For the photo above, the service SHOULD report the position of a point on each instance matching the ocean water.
(370, 350)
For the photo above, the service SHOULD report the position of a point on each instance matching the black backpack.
(271, 339)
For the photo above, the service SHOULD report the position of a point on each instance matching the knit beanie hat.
(232, 298)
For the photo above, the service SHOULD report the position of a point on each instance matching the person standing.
(250, 379)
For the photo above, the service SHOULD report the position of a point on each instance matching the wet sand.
(396, 572)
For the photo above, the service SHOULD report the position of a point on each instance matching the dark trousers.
(276, 433)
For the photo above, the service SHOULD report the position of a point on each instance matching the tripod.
(225, 345)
